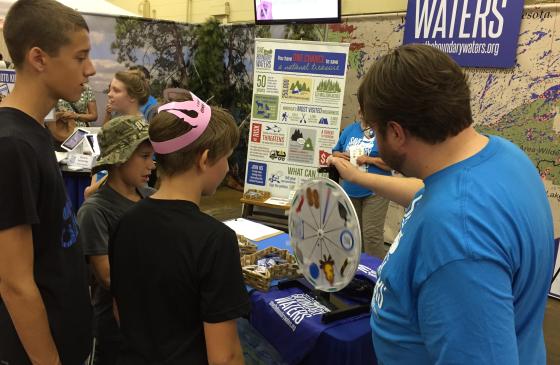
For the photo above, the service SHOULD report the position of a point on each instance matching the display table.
(77, 180)
(343, 342)
(272, 215)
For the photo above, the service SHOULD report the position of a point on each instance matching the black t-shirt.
(173, 268)
(97, 218)
(32, 192)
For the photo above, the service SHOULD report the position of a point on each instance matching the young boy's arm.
(94, 186)
(100, 266)
(224, 297)
(21, 296)
(94, 238)
(222, 343)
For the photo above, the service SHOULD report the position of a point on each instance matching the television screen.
(296, 11)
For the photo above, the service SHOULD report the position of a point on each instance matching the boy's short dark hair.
(422, 89)
(220, 137)
(39, 23)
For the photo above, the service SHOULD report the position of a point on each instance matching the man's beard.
(393, 159)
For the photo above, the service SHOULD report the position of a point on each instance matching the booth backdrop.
(521, 104)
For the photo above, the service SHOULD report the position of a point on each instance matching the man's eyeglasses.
(369, 132)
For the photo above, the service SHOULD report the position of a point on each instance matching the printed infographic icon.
(325, 234)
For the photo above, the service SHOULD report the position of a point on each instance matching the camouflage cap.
(118, 140)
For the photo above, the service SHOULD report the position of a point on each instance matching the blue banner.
(475, 33)
(320, 63)
(368, 267)
(256, 173)
(8, 76)
(290, 319)
(7, 82)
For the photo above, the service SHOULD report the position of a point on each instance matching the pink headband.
(198, 123)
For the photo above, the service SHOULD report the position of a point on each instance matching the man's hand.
(344, 155)
(346, 170)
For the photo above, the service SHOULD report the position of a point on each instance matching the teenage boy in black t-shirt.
(175, 271)
(45, 313)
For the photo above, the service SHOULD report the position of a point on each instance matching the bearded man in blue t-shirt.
(467, 277)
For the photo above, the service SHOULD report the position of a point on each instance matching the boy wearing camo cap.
(127, 154)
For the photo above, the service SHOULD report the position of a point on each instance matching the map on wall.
(521, 104)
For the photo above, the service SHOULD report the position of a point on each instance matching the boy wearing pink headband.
(175, 271)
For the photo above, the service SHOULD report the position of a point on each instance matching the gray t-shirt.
(97, 218)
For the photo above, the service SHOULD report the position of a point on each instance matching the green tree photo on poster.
(328, 86)
(300, 87)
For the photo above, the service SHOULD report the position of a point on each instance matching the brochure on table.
(252, 230)
(555, 285)
(298, 90)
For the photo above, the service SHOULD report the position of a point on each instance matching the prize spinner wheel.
(325, 234)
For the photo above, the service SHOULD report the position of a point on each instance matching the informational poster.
(298, 90)
(7, 82)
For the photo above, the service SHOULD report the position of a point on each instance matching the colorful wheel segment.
(325, 234)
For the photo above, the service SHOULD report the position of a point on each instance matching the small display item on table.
(262, 267)
(246, 247)
(257, 195)
(271, 260)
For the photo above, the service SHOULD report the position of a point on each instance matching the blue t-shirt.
(145, 109)
(353, 135)
(466, 279)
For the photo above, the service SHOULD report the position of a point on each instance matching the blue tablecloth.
(343, 342)
(76, 182)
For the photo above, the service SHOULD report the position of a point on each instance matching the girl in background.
(127, 92)
(359, 142)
